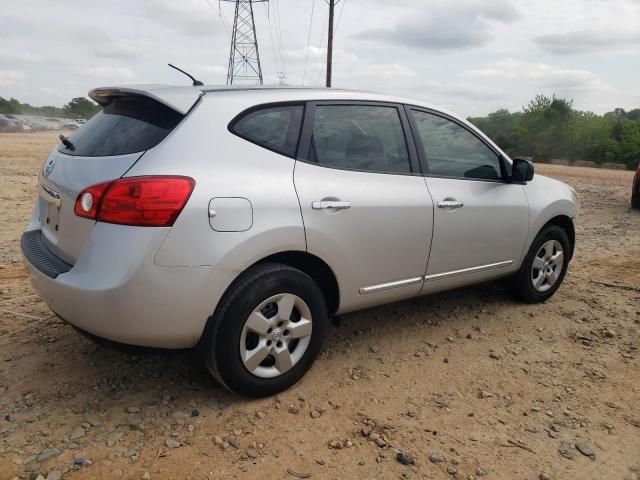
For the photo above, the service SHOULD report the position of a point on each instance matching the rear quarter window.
(126, 125)
(276, 128)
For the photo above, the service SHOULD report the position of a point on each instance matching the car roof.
(284, 93)
(182, 98)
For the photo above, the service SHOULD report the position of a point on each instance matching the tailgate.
(104, 149)
(62, 230)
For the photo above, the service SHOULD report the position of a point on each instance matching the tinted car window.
(359, 137)
(453, 151)
(275, 128)
(126, 125)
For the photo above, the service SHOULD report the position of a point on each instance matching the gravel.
(47, 453)
(128, 405)
(172, 443)
(437, 457)
(585, 449)
(565, 450)
(77, 433)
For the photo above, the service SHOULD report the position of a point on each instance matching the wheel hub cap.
(547, 266)
(276, 335)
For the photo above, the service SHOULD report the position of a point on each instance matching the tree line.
(78, 107)
(550, 128)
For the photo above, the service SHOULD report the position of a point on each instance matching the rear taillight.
(88, 200)
(140, 201)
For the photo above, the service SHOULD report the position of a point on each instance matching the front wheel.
(544, 267)
(267, 330)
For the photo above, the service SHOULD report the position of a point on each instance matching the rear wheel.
(267, 330)
(544, 267)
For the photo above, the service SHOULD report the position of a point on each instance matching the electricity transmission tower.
(244, 58)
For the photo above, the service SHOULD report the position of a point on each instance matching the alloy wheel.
(276, 335)
(547, 266)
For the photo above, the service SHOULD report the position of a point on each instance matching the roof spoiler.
(179, 99)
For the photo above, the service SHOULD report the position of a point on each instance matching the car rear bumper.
(115, 291)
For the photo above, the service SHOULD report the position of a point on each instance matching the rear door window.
(127, 124)
(360, 137)
(276, 128)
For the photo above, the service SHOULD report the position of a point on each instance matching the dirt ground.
(467, 384)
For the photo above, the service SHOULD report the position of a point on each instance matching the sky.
(469, 56)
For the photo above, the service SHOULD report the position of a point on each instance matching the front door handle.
(330, 205)
(450, 203)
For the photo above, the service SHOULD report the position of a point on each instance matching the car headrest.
(364, 150)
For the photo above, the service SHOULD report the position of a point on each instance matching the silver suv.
(239, 221)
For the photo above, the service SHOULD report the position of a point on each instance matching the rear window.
(126, 125)
(275, 128)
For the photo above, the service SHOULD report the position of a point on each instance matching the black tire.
(635, 202)
(222, 336)
(520, 285)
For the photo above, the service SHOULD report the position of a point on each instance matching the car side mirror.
(522, 170)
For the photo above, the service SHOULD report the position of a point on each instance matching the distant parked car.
(8, 125)
(239, 221)
(635, 190)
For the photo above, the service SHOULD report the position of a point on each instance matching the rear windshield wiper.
(66, 142)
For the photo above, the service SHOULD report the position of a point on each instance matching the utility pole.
(244, 57)
(332, 4)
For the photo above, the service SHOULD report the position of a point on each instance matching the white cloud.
(17, 57)
(445, 25)
(471, 90)
(206, 69)
(116, 51)
(107, 72)
(10, 77)
(543, 75)
(192, 17)
(585, 41)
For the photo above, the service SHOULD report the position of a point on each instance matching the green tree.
(549, 127)
(80, 107)
(10, 106)
(544, 128)
(634, 115)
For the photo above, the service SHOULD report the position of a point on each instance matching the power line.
(273, 43)
(276, 43)
(340, 16)
(306, 53)
(319, 52)
(279, 34)
(220, 16)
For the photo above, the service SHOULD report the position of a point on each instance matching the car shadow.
(183, 368)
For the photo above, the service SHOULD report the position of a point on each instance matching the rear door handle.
(330, 205)
(450, 203)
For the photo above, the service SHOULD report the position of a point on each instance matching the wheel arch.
(566, 223)
(313, 266)
(306, 262)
